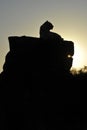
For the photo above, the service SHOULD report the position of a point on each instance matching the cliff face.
(36, 84)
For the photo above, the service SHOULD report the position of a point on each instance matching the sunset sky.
(24, 17)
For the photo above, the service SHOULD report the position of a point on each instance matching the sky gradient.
(24, 17)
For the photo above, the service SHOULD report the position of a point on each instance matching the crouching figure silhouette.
(45, 32)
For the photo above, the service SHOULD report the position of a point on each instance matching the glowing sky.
(24, 17)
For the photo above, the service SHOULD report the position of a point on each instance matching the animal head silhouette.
(47, 26)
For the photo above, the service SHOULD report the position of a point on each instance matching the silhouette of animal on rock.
(45, 32)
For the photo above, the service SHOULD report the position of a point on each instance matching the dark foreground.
(43, 102)
(37, 90)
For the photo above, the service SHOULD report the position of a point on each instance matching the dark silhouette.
(39, 55)
(45, 32)
(37, 89)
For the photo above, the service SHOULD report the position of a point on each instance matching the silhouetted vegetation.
(81, 71)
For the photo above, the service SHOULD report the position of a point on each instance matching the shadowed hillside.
(38, 92)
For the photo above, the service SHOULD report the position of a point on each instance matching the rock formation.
(36, 85)
(36, 55)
